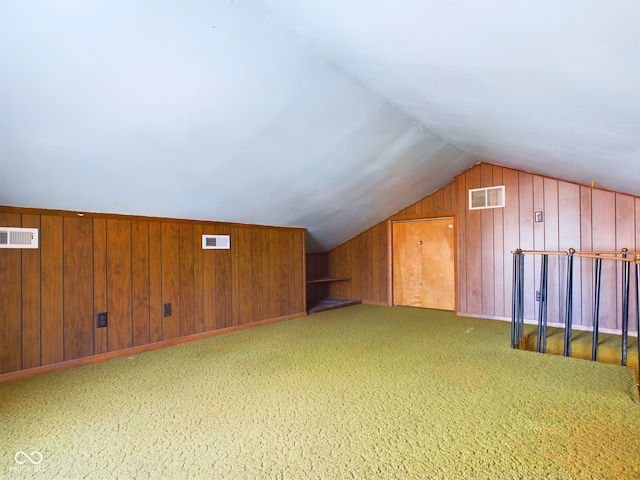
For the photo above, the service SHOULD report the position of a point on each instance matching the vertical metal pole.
(521, 299)
(568, 304)
(625, 306)
(543, 294)
(542, 307)
(596, 308)
(514, 297)
(637, 259)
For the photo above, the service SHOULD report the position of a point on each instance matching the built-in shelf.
(330, 303)
(328, 279)
(322, 302)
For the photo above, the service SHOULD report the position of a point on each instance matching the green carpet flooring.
(609, 346)
(364, 392)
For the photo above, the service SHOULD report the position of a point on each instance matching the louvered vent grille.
(12, 237)
(216, 242)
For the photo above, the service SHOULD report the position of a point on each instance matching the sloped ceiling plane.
(322, 114)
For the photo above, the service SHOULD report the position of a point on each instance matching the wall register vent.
(216, 242)
(488, 197)
(12, 237)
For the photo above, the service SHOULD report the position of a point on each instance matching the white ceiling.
(322, 114)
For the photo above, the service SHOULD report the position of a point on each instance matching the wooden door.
(423, 264)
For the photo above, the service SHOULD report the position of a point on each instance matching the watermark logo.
(27, 462)
(21, 458)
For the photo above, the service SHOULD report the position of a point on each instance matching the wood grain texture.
(140, 292)
(171, 279)
(423, 258)
(119, 298)
(500, 255)
(155, 282)
(198, 280)
(261, 277)
(78, 287)
(604, 237)
(10, 301)
(100, 302)
(187, 304)
(223, 287)
(129, 267)
(51, 284)
(487, 246)
(244, 262)
(473, 247)
(31, 327)
(209, 282)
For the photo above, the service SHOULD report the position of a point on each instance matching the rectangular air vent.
(13, 237)
(216, 242)
(488, 197)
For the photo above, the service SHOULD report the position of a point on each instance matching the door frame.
(416, 218)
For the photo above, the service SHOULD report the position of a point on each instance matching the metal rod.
(637, 259)
(544, 298)
(514, 297)
(596, 308)
(568, 304)
(542, 308)
(625, 307)
(521, 301)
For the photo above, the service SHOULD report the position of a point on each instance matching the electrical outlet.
(101, 320)
(166, 309)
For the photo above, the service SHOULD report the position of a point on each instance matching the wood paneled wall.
(129, 267)
(575, 216)
(366, 258)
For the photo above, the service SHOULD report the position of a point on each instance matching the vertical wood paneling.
(235, 275)
(586, 264)
(461, 213)
(171, 278)
(498, 250)
(538, 230)
(187, 305)
(10, 302)
(264, 250)
(427, 205)
(604, 237)
(52, 289)
(296, 264)
(31, 340)
(209, 282)
(625, 238)
(140, 281)
(155, 282)
(244, 260)
(129, 267)
(511, 233)
(279, 274)
(569, 237)
(198, 280)
(557, 265)
(473, 247)
(487, 246)
(120, 323)
(223, 286)
(100, 281)
(448, 199)
(525, 185)
(78, 287)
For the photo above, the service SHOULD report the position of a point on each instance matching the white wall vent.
(13, 237)
(488, 197)
(216, 242)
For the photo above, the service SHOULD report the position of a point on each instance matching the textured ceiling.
(320, 114)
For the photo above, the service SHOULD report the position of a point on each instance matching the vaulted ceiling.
(323, 114)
